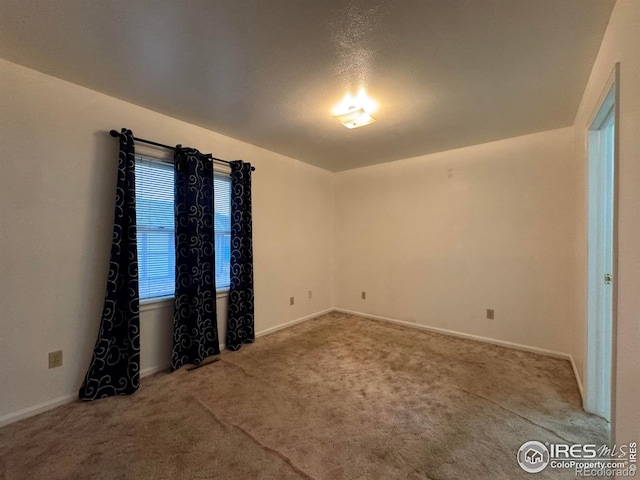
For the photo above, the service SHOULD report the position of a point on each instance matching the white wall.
(621, 43)
(438, 239)
(57, 187)
(434, 240)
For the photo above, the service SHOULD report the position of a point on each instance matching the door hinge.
(608, 278)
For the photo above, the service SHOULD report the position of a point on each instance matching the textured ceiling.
(446, 73)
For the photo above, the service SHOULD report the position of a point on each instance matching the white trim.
(42, 407)
(501, 343)
(165, 155)
(56, 402)
(145, 372)
(156, 303)
(611, 81)
(452, 333)
(594, 399)
(164, 302)
(293, 322)
(578, 379)
(153, 152)
(271, 330)
(36, 409)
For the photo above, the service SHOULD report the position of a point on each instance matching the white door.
(601, 267)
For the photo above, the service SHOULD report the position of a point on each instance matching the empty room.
(319, 239)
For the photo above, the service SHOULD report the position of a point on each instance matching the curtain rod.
(115, 133)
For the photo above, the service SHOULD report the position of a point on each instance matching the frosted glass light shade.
(355, 118)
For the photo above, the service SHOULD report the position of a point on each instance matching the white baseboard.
(145, 372)
(56, 402)
(293, 322)
(48, 405)
(267, 331)
(502, 343)
(36, 409)
(578, 378)
(453, 333)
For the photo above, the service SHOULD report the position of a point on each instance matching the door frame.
(612, 84)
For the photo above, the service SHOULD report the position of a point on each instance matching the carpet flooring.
(337, 397)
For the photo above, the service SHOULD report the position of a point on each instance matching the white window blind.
(222, 226)
(155, 218)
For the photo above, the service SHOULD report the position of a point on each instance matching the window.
(155, 218)
(222, 227)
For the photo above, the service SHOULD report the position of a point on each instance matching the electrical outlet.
(55, 359)
(291, 301)
(310, 294)
(490, 314)
(364, 295)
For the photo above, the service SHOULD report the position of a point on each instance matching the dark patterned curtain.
(240, 326)
(115, 365)
(195, 329)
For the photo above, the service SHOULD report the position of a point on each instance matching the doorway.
(602, 257)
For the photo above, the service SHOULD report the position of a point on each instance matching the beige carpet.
(338, 397)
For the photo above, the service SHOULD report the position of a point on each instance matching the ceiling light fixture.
(355, 118)
(354, 112)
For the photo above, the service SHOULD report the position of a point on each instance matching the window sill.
(164, 302)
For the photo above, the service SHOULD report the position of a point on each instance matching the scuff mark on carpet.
(566, 440)
(226, 424)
